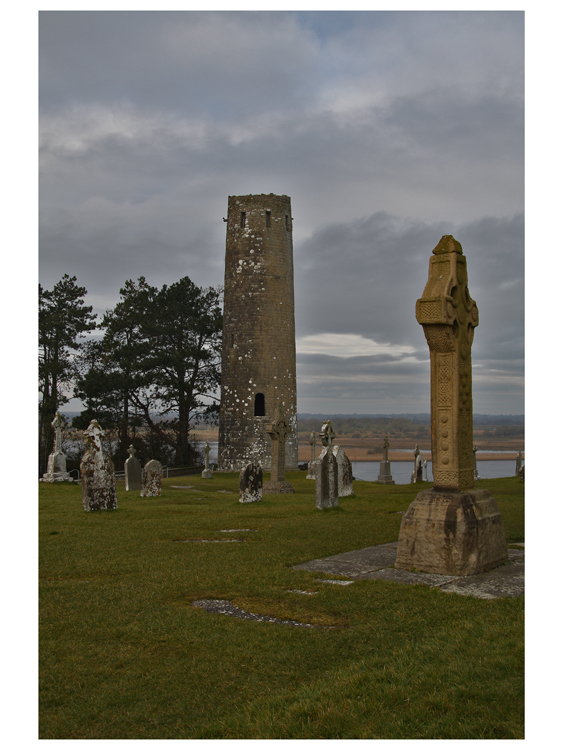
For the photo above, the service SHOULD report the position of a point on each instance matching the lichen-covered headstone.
(345, 478)
(152, 479)
(475, 469)
(416, 475)
(97, 473)
(312, 463)
(451, 529)
(326, 471)
(384, 476)
(250, 483)
(278, 431)
(56, 463)
(133, 471)
(207, 473)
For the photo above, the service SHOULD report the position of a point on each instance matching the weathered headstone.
(475, 469)
(312, 462)
(384, 476)
(152, 479)
(452, 528)
(56, 463)
(278, 431)
(416, 475)
(345, 478)
(518, 462)
(250, 483)
(326, 471)
(207, 473)
(97, 473)
(133, 471)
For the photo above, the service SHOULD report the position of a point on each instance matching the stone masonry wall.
(258, 331)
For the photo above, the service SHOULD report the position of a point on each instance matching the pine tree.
(63, 320)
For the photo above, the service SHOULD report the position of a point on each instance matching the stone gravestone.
(133, 471)
(56, 464)
(152, 479)
(326, 471)
(451, 529)
(518, 463)
(207, 473)
(312, 462)
(475, 470)
(345, 478)
(250, 483)
(97, 473)
(384, 476)
(416, 476)
(278, 431)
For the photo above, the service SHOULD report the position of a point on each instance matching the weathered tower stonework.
(258, 358)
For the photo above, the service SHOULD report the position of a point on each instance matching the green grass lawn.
(125, 655)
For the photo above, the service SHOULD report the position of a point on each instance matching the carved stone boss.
(449, 316)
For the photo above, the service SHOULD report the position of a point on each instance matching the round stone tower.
(258, 359)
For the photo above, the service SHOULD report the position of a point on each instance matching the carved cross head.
(94, 434)
(327, 434)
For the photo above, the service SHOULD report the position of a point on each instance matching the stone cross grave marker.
(326, 471)
(152, 479)
(384, 476)
(311, 464)
(56, 463)
(450, 529)
(97, 473)
(278, 431)
(250, 483)
(207, 473)
(133, 471)
(416, 475)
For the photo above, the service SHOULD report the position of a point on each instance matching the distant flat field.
(361, 449)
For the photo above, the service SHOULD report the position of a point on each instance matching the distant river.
(401, 471)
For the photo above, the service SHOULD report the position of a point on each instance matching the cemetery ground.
(124, 654)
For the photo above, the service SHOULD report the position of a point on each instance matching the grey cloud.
(387, 130)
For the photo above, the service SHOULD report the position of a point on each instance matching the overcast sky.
(386, 129)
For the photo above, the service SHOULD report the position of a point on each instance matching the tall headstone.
(518, 463)
(384, 476)
(152, 479)
(345, 477)
(56, 464)
(475, 469)
(416, 475)
(258, 356)
(312, 462)
(133, 472)
(250, 483)
(452, 528)
(326, 471)
(97, 474)
(278, 432)
(207, 473)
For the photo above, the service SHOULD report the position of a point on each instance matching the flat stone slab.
(378, 563)
(355, 563)
(222, 607)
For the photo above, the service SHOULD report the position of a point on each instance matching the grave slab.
(377, 563)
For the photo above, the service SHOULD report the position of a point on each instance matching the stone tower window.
(243, 219)
(268, 218)
(287, 222)
(259, 405)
